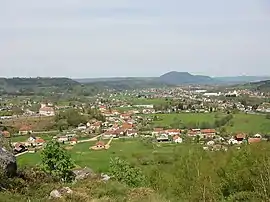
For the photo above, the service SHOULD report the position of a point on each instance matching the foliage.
(56, 161)
(124, 172)
(69, 117)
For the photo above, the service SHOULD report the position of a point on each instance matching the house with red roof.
(173, 132)
(208, 133)
(240, 137)
(46, 111)
(5, 134)
(24, 130)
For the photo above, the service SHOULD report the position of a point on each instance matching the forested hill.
(263, 86)
(44, 86)
(35, 85)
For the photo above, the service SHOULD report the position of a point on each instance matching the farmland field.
(99, 160)
(248, 123)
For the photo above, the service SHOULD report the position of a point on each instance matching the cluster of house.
(31, 142)
(121, 129)
(243, 138)
(34, 143)
(167, 135)
(91, 125)
(164, 135)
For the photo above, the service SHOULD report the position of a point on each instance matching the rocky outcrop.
(7, 162)
(84, 173)
(59, 193)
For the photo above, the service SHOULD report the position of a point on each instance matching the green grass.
(147, 101)
(185, 118)
(250, 123)
(99, 160)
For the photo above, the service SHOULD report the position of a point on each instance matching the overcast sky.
(106, 38)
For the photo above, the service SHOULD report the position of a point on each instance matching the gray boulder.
(84, 173)
(8, 162)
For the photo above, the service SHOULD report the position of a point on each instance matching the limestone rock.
(84, 173)
(59, 193)
(8, 162)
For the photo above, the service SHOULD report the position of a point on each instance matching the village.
(129, 123)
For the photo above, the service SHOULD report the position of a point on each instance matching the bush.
(122, 171)
(57, 162)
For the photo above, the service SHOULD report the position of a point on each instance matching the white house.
(62, 139)
(177, 139)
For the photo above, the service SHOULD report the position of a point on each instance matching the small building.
(73, 141)
(46, 111)
(240, 137)
(5, 134)
(19, 148)
(177, 139)
(163, 138)
(62, 139)
(25, 130)
(81, 126)
(208, 133)
(173, 132)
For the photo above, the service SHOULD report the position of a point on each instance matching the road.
(91, 139)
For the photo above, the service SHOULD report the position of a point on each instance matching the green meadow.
(248, 123)
(129, 149)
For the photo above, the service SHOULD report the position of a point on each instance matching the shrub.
(122, 171)
(57, 162)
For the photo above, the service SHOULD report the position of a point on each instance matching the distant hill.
(35, 85)
(113, 79)
(127, 83)
(84, 87)
(242, 79)
(263, 86)
(179, 78)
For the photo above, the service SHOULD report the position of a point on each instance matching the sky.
(109, 38)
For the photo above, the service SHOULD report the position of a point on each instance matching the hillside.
(242, 79)
(113, 79)
(28, 86)
(178, 78)
(129, 84)
(88, 87)
(263, 86)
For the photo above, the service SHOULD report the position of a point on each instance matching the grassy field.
(167, 119)
(36, 123)
(99, 160)
(145, 101)
(249, 123)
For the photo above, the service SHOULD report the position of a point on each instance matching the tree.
(57, 162)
